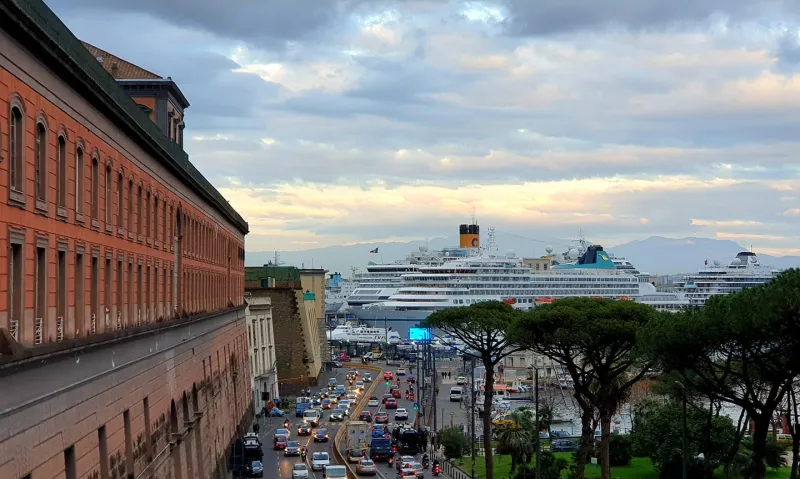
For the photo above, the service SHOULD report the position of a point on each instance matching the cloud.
(331, 122)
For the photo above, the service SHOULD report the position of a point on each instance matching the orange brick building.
(123, 347)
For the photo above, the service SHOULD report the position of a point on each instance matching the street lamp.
(685, 452)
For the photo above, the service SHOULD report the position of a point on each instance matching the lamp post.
(683, 455)
(538, 436)
(472, 404)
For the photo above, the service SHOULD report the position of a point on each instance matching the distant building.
(538, 264)
(261, 340)
(297, 297)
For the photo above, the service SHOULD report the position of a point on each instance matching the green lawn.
(639, 468)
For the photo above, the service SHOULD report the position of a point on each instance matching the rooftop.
(119, 68)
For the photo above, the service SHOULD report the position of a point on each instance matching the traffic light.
(416, 406)
(387, 384)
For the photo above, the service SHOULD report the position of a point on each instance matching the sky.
(328, 122)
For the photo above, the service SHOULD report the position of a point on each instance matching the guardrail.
(451, 470)
(337, 455)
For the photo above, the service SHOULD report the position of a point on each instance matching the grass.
(639, 468)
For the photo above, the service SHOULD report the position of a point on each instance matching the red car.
(391, 403)
(396, 393)
(365, 416)
(281, 441)
(385, 397)
(388, 376)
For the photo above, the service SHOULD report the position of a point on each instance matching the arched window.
(40, 153)
(61, 172)
(139, 211)
(147, 217)
(108, 195)
(79, 181)
(120, 198)
(16, 131)
(130, 206)
(95, 193)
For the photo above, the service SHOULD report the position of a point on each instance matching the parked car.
(319, 460)
(275, 412)
(366, 468)
(563, 445)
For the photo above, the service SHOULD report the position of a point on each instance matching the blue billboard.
(420, 335)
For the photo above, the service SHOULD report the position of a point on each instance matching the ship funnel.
(469, 236)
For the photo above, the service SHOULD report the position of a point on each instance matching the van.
(312, 416)
(456, 393)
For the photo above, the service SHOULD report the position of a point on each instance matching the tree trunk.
(587, 438)
(744, 419)
(513, 465)
(761, 424)
(794, 428)
(488, 395)
(605, 445)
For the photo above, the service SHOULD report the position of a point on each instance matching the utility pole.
(538, 436)
(433, 387)
(472, 405)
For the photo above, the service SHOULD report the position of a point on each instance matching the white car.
(374, 402)
(360, 385)
(461, 380)
(299, 471)
(401, 415)
(319, 461)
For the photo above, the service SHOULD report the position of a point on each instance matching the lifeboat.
(543, 300)
(510, 301)
(623, 298)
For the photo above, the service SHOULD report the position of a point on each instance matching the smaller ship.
(744, 271)
(363, 334)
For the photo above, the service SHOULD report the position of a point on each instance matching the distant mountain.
(656, 255)
(659, 255)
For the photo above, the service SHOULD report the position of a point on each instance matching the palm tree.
(518, 436)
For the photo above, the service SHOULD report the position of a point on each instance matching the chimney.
(114, 69)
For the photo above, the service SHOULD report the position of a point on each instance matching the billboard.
(420, 335)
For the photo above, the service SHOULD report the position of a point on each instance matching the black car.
(304, 429)
(321, 435)
(562, 445)
(254, 469)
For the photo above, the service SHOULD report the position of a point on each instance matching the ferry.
(363, 334)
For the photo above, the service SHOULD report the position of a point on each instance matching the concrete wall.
(137, 390)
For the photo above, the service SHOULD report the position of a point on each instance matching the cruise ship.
(336, 292)
(744, 271)
(363, 334)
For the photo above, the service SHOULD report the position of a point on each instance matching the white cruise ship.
(744, 271)
(336, 292)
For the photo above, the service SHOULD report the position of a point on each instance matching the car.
(312, 416)
(396, 394)
(280, 442)
(367, 378)
(352, 396)
(407, 474)
(418, 469)
(282, 432)
(461, 380)
(560, 434)
(321, 435)
(337, 415)
(292, 449)
(319, 460)
(254, 469)
(404, 462)
(381, 418)
(411, 379)
(366, 468)
(360, 385)
(391, 403)
(401, 415)
(302, 407)
(379, 430)
(332, 383)
(252, 447)
(335, 472)
(353, 372)
(373, 402)
(385, 397)
(304, 429)
(388, 376)
(400, 372)
(299, 471)
(563, 445)
(326, 404)
(365, 416)
(354, 455)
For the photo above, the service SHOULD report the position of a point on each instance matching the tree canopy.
(742, 348)
(596, 341)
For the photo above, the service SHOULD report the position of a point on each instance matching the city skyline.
(327, 123)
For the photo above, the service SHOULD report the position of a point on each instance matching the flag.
(372, 251)
(706, 262)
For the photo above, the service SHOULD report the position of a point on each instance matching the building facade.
(261, 339)
(123, 341)
(298, 318)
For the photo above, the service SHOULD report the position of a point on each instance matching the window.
(95, 196)
(147, 433)
(16, 131)
(156, 306)
(107, 291)
(130, 206)
(40, 153)
(80, 288)
(16, 291)
(155, 218)
(147, 303)
(131, 303)
(139, 281)
(40, 298)
(79, 182)
(120, 196)
(126, 424)
(119, 292)
(61, 284)
(61, 173)
(147, 216)
(139, 212)
(103, 443)
(70, 464)
(95, 292)
(108, 195)
(164, 233)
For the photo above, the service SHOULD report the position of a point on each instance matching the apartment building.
(261, 339)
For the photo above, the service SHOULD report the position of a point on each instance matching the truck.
(358, 435)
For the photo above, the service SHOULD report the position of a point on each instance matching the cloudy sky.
(338, 121)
